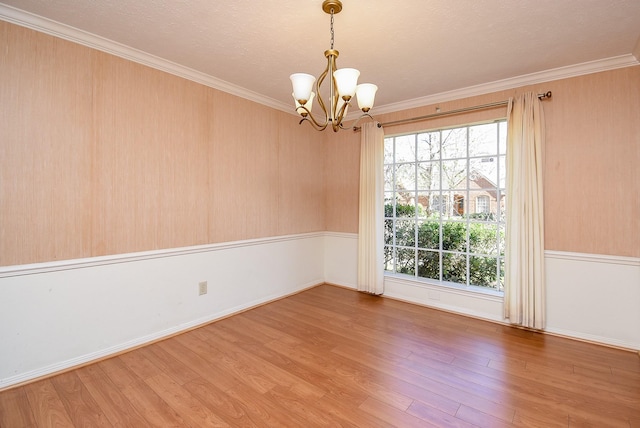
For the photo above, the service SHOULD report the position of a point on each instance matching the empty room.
(320, 213)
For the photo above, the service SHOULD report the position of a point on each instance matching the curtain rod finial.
(544, 95)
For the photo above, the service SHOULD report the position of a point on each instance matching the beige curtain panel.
(371, 215)
(524, 289)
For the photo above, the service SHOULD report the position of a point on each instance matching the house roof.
(416, 51)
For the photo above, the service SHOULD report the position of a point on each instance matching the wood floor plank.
(261, 407)
(241, 369)
(527, 418)
(190, 409)
(232, 411)
(80, 404)
(118, 372)
(273, 372)
(477, 418)
(439, 385)
(319, 378)
(563, 387)
(347, 412)
(107, 395)
(168, 364)
(15, 410)
(200, 357)
(397, 417)
(305, 409)
(330, 356)
(153, 409)
(47, 408)
(341, 370)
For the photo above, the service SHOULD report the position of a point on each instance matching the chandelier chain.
(332, 29)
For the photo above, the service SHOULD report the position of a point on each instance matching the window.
(430, 232)
(482, 204)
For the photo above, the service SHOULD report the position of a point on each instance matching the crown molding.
(516, 82)
(66, 32)
(63, 31)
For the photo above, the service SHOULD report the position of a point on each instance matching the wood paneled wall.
(592, 156)
(100, 155)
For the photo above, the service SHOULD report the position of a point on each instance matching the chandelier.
(343, 86)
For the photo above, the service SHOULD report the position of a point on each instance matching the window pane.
(405, 233)
(405, 261)
(405, 207)
(483, 173)
(454, 143)
(502, 167)
(388, 177)
(406, 176)
(483, 271)
(429, 264)
(402, 206)
(428, 146)
(454, 236)
(454, 174)
(429, 234)
(440, 203)
(483, 238)
(455, 204)
(405, 148)
(483, 139)
(389, 257)
(388, 232)
(426, 206)
(502, 140)
(388, 150)
(389, 204)
(428, 175)
(454, 268)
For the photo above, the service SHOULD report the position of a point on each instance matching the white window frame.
(496, 221)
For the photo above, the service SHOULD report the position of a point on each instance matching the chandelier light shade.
(343, 87)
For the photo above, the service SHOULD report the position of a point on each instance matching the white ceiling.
(412, 49)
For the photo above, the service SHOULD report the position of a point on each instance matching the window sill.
(446, 286)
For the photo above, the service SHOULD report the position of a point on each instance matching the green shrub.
(482, 240)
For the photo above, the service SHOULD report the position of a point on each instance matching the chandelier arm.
(343, 110)
(312, 120)
(319, 95)
(315, 125)
(331, 56)
(354, 125)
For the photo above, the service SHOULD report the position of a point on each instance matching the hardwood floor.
(334, 357)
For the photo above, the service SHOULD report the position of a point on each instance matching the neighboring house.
(482, 198)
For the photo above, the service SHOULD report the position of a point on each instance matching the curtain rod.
(452, 112)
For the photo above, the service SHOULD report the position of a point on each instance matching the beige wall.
(99, 155)
(592, 171)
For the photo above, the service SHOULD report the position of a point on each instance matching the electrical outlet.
(202, 288)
